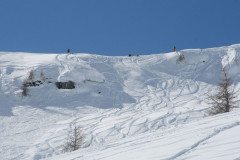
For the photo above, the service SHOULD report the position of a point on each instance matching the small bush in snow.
(42, 77)
(74, 139)
(30, 77)
(24, 89)
(24, 86)
(180, 58)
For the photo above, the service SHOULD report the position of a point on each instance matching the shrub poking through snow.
(74, 139)
(30, 77)
(24, 89)
(180, 58)
(42, 77)
(224, 99)
(26, 82)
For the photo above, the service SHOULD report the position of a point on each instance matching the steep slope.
(140, 107)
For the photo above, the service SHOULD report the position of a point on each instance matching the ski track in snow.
(195, 145)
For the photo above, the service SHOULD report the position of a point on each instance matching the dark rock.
(65, 85)
(33, 83)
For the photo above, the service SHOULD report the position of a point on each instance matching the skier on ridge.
(174, 49)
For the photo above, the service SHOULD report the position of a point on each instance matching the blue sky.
(117, 27)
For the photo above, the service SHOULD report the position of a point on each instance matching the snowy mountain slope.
(197, 140)
(141, 107)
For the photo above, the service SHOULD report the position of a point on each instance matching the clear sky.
(117, 27)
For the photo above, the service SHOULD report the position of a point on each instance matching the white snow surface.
(147, 107)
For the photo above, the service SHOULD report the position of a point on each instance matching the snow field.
(146, 107)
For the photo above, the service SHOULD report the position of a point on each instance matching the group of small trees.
(75, 136)
(30, 81)
(222, 101)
